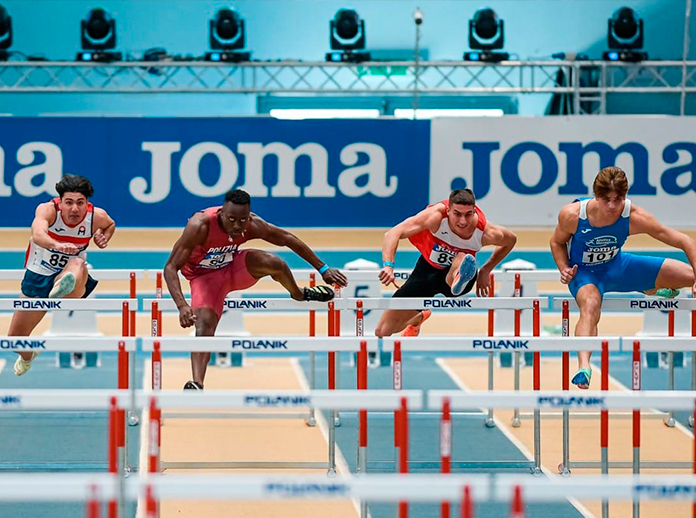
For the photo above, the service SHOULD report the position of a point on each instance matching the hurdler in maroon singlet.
(217, 267)
(440, 248)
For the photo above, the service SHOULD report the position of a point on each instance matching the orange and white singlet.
(439, 248)
(49, 262)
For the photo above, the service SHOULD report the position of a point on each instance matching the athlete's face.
(612, 204)
(235, 218)
(462, 218)
(73, 207)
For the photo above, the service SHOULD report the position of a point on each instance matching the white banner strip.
(67, 304)
(660, 343)
(13, 400)
(279, 304)
(65, 343)
(502, 344)
(270, 344)
(65, 487)
(610, 400)
(634, 304)
(472, 303)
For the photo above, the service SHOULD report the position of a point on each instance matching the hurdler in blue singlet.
(597, 252)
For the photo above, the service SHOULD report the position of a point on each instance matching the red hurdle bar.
(154, 439)
(150, 503)
(93, 507)
(113, 451)
(517, 508)
(156, 366)
(397, 385)
(516, 354)
(467, 510)
(445, 449)
(403, 451)
(331, 354)
(133, 295)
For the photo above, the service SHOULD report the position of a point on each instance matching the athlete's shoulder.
(569, 215)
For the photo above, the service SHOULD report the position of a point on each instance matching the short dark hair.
(610, 179)
(74, 183)
(238, 197)
(462, 197)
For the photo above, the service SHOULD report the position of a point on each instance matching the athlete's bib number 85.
(58, 260)
(440, 255)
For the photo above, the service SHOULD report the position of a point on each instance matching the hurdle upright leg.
(332, 386)
(636, 386)
(311, 419)
(490, 421)
(123, 384)
(516, 423)
(133, 418)
(604, 423)
(337, 355)
(403, 452)
(362, 421)
(397, 385)
(693, 370)
(445, 450)
(564, 468)
(669, 420)
(536, 331)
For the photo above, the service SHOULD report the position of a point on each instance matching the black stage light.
(5, 33)
(625, 35)
(347, 35)
(98, 36)
(486, 33)
(227, 34)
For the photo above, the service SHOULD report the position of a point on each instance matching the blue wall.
(282, 29)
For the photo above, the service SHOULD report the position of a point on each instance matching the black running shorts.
(426, 281)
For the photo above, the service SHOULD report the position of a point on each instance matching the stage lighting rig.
(227, 35)
(98, 36)
(347, 31)
(486, 33)
(625, 37)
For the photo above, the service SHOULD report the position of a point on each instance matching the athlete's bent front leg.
(674, 274)
(77, 268)
(396, 320)
(260, 264)
(590, 303)
(206, 324)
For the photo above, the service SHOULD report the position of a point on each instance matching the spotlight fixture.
(227, 35)
(5, 33)
(486, 33)
(98, 36)
(625, 36)
(347, 35)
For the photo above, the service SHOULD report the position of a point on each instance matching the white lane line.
(341, 464)
(509, 434)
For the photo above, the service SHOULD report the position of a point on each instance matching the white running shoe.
(22, 366)
(466, 272)
(63, 287)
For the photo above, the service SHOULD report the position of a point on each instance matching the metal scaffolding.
(585, 84)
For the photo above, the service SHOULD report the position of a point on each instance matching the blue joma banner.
(158, 171)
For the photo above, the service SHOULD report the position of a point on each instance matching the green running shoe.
(667, 293)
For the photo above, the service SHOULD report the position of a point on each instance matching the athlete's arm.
(281, 237)
(504, 241)
(429, 218)
(44, 217)
(642, 222)
(105, 227)
(567, 224)
(194, 234)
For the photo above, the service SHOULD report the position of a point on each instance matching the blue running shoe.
(467, 271)
(582, 379)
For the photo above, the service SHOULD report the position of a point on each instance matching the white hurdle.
(604, 401)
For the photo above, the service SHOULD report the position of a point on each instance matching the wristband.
(323, 269)
(390, 264)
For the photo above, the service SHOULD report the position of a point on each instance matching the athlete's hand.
(483, 283)
(67, 248)
(100, 239)
(186, 316)
(567, 274)
(386, 275)
(333, 276)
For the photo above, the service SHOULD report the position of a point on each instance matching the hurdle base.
(235, 415)
(436, 464)
(78, 360)
(48, 466)
(628, 464)
(227, 360)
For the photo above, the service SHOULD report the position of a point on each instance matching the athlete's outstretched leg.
(260, 264)
(72, 281)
